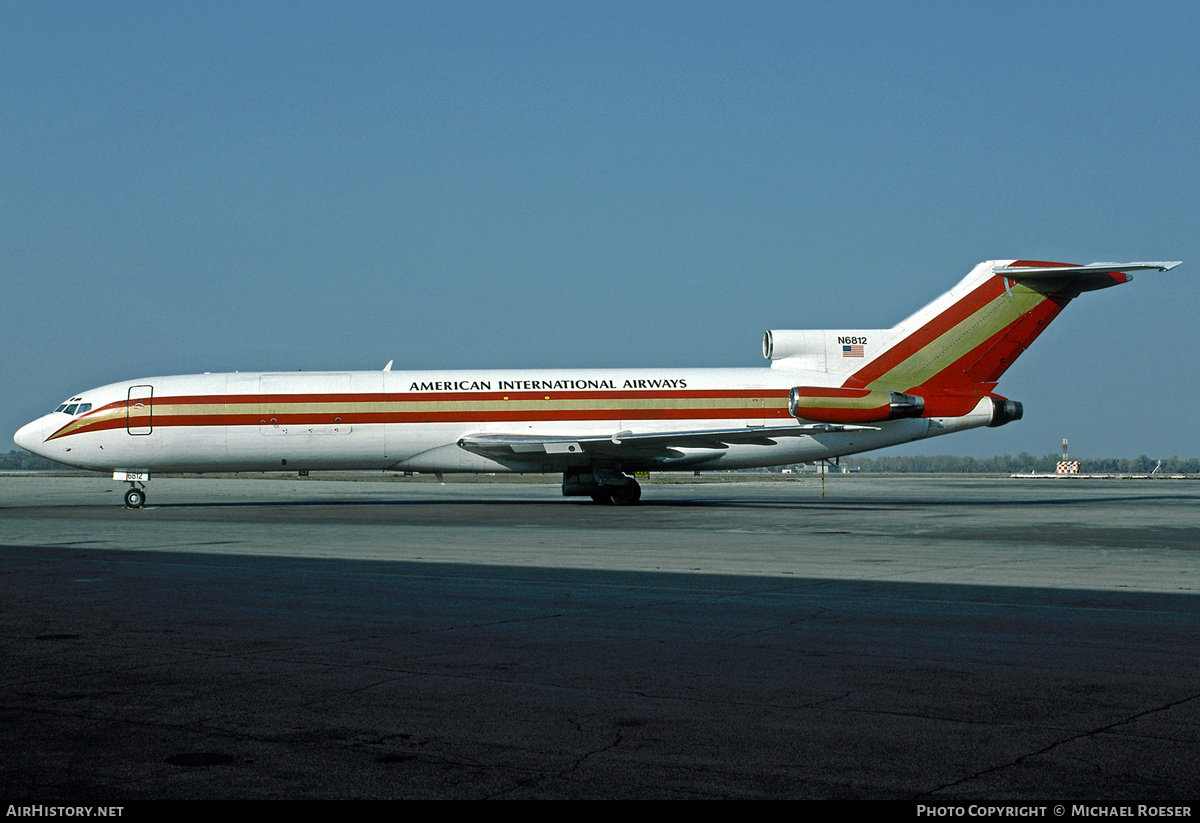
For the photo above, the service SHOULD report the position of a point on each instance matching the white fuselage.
(413, 421)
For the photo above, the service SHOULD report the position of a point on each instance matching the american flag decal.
(852, 351)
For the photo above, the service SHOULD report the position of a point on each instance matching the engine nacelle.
(823, 349)
(1005, 411)
(779, 344)
(841, 405)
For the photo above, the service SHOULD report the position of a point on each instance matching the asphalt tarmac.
(904, 637)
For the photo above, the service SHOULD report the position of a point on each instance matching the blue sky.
(257, 186)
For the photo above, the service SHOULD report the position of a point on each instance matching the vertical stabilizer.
(960, 344)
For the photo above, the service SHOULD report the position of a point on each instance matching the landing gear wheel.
(603, 498)
(135, 498)
(627, 495)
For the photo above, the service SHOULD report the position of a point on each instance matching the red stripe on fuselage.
(477, 396)
(402, 411)
(327, 418)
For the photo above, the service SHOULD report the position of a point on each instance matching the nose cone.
(32, 436)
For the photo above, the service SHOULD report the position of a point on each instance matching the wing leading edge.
(647, 444)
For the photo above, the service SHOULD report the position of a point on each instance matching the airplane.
(824, 394)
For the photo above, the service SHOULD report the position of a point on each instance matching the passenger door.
(139, 416)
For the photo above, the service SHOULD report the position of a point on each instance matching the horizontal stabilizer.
(1016, 271)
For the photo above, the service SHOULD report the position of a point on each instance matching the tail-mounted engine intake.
(839, 405)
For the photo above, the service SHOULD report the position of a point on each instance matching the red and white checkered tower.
(1066, 466)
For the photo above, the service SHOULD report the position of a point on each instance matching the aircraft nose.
(31, 436)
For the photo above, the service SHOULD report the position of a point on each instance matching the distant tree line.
(23, 460)
(1023, 463)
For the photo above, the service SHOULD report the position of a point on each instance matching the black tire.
(603, 498)
(627, 495)
(135, 498)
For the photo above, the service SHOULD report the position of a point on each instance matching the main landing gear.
(625, 495)
(603, 486)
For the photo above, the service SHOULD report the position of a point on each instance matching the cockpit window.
(74, 407)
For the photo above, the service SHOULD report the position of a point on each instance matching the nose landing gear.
(135, 498)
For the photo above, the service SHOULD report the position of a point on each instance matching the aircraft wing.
(628, 443)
